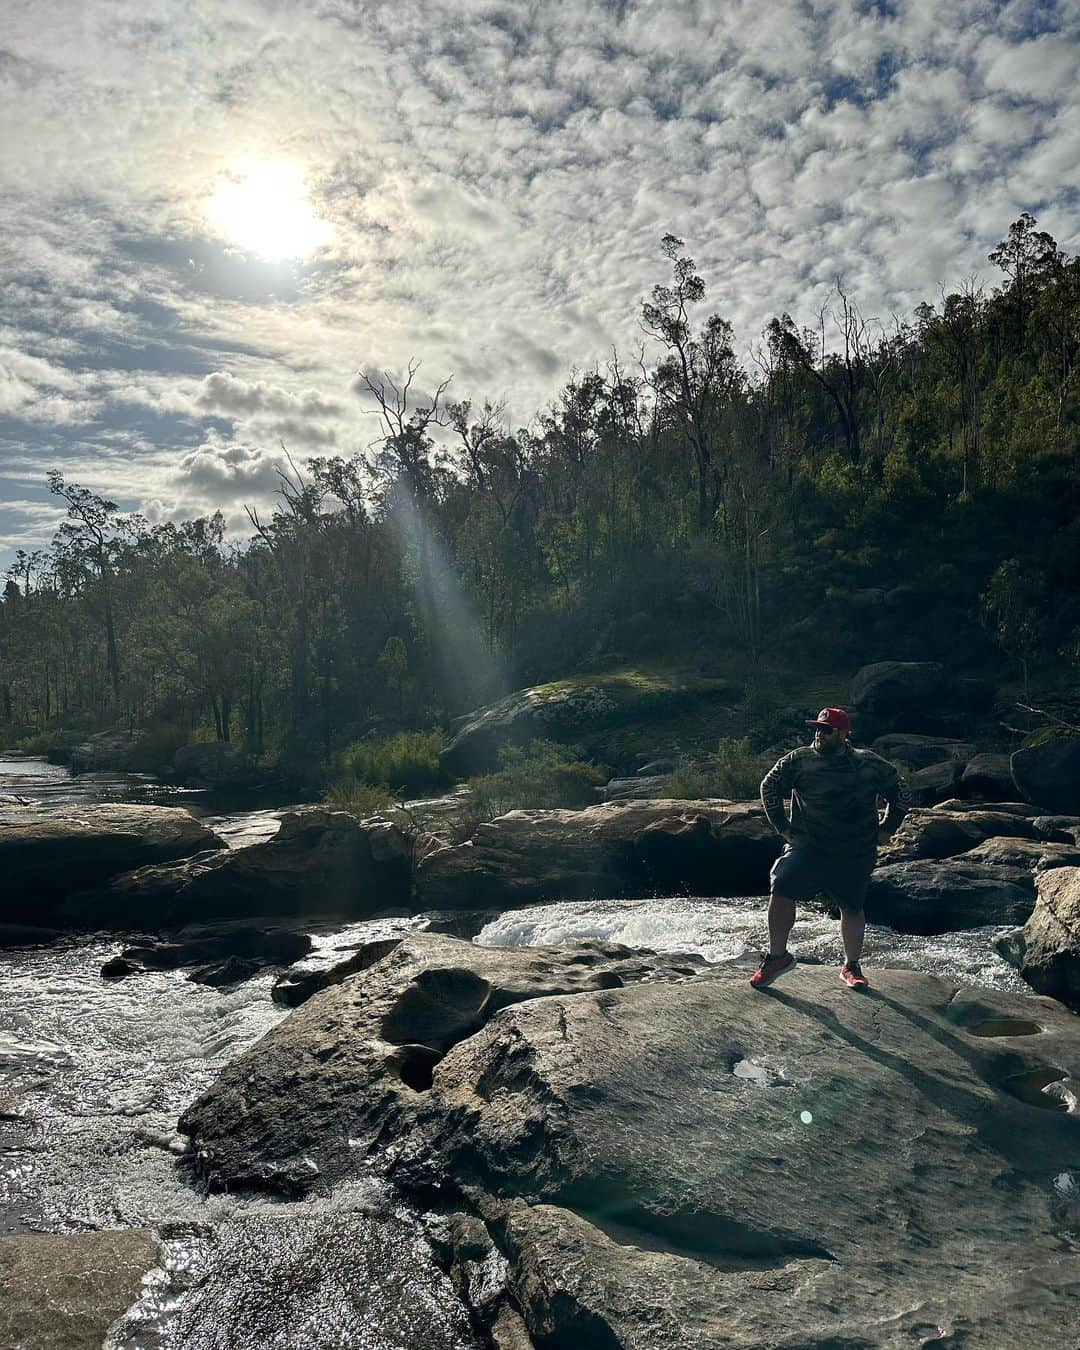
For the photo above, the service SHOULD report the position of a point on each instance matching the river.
(94, 1074)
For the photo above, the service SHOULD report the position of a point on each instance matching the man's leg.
(781, 922)
(852, 932)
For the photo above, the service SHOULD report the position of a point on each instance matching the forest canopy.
(852, 490)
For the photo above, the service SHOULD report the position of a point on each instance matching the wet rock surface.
(666, 1158)
(326, 1280)
(1046, 951)
(305, 978)
(46, 854)
(614, 849)
(319, 862)
(63, 1291)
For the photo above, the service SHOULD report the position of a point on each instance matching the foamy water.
(727, 929)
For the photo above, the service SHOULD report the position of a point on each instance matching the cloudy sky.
(212, 215)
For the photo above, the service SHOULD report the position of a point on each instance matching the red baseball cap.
(836, 718)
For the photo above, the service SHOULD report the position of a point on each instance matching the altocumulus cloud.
(496, 177)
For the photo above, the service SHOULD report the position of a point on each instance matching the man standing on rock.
(830, 842)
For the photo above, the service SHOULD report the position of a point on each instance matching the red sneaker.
(770, 968)
(851, 973)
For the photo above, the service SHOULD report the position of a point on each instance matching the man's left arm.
(898, 801)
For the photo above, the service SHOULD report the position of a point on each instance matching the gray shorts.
(800, 874)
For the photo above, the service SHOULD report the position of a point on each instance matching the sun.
(262, 206)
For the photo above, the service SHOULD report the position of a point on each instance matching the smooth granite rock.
(677, 1162)
(1049, 774)
(1046, 951)
(319, 862)
(945, 832)
(935, 783)
(48, 853)
(614, 849)
(988, 777)
(943, 897)
(62, 1291)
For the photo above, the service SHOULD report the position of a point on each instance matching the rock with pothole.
(1046, 951)
(682, 1164)
(614, 849)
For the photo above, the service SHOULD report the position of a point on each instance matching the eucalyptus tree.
(698, 374)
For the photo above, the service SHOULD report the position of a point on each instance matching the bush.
(156, 748)
(408, 761)
(359, 799)
(734, 771)
(540, 776)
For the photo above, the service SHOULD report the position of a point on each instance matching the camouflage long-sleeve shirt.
(834, 799)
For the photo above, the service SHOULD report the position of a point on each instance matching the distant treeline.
(882, 488)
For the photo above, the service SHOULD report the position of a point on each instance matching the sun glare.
(262, 206)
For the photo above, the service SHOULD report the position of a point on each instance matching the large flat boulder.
(613, 849)
(62, 1291)
(576, 709)
(1049, 774)
(319, 862)
(1046, 951)
(669, 1160)
(528, 714)
(48, 853)
(943, 897)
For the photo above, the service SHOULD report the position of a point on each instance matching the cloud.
(225, 393)
(229, 472)
(496, 179)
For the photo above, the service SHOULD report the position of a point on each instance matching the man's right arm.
(775, 786)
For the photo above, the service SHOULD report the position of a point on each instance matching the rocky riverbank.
(653, 1155)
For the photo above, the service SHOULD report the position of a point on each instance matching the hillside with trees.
(852, 491)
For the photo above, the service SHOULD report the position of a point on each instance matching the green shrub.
(157, 746)
(359, 799)
(733, 771)
(38, 744)
(408, 761)
(540, 776)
